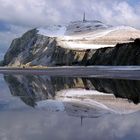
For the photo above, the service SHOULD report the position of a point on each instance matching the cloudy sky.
(17, 16)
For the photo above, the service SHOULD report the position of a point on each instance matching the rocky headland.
(102, 45)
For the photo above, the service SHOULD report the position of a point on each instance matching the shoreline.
(109, 72)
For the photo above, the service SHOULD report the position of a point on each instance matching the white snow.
(79, 26)
(52, 31)
(96, 34)
(81, 46)
(79, 92)
(50, 105)
(73, 35)
(66, 30)
(119, 106)
(72, 96)
(96, 104)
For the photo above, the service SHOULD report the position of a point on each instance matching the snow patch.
(79, 92)
(50, 105)
(82, 46)
(52, 31)
(76, 35)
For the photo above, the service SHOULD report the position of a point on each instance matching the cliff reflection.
(83, 97)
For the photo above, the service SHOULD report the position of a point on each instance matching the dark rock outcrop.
(121, 54)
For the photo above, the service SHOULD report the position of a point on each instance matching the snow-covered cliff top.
(89, 34)
(89, 100)
(72, 28)
(80, 28)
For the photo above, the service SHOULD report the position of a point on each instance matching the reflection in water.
(56, 108)
(80, 97)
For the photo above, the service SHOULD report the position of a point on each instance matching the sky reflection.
(24, 122)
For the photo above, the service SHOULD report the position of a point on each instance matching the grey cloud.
(42, 12)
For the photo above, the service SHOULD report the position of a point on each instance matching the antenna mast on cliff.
(82, 120)
(84, 17)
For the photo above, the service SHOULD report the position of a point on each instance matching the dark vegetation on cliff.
(33, 49)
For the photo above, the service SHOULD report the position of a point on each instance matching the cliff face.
(121, 54)
(34, 49)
